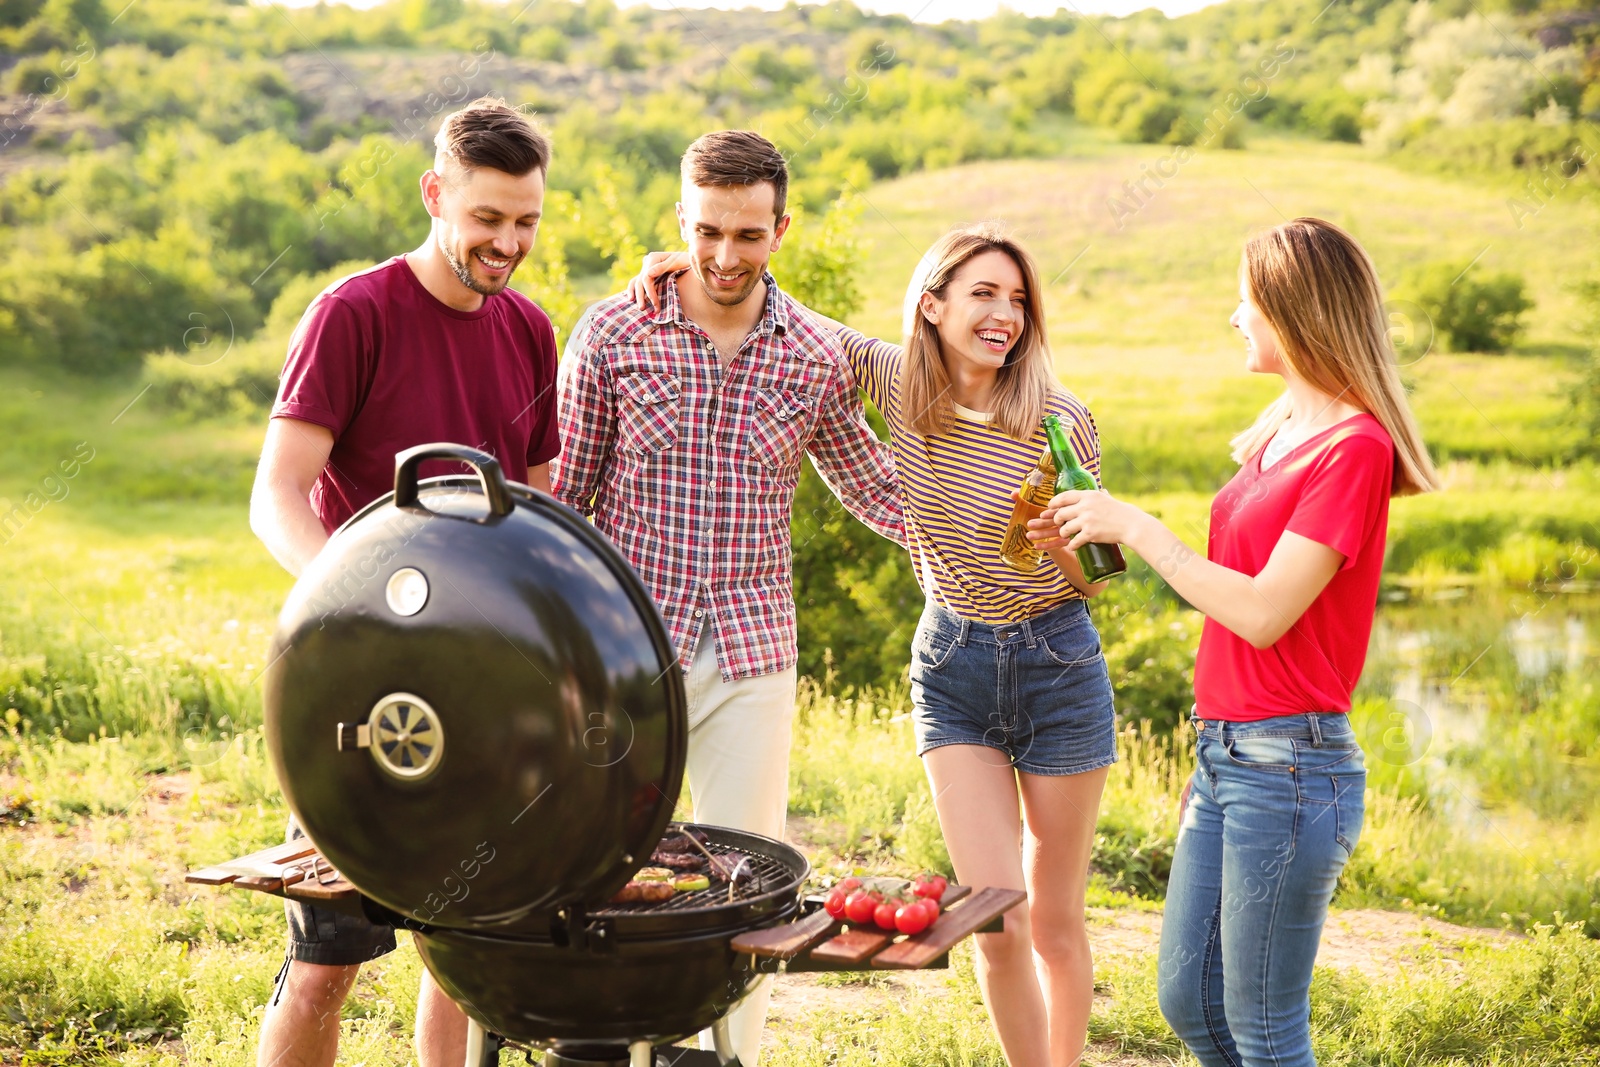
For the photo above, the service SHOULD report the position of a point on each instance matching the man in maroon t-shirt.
(429, 346)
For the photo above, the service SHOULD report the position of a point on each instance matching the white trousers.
(739, 734)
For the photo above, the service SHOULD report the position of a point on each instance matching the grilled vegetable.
(688, 883)
(655, 874)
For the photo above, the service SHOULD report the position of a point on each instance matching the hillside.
(1139, 303)
(176, 152)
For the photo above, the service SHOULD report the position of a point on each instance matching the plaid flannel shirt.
(690, 467)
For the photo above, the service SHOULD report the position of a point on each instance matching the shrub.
(546, 43)
(1150, 652)
(1153, 117)
(857, 596)
(1472, 312)
(1335, 114)
(242, 384)
(242, 378)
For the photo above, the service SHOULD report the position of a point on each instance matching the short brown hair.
(490, 133)
(737, 157)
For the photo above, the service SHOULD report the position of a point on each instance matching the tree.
(422, 15)
(1472, 312)
(855, 590)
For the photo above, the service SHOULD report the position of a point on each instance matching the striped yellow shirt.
(957, 488)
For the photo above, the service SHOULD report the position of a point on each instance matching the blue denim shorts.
(1036, 690)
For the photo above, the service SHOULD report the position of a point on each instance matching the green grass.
(108, 957)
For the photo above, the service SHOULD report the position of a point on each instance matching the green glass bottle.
(1099, 561)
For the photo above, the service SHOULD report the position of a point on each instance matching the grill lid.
(473, 706)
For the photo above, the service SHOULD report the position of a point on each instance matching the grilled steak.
(636, 892)
(678, 861)
(678, 841)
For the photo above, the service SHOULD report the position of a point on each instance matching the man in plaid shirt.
(683, 430)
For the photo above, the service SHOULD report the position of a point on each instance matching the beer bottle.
(1099, 561)
(1016, 551)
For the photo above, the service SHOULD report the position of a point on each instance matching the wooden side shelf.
(816, 942)
(920, 950)
(819, 942)
(295, 870)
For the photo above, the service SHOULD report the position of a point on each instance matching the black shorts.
(319, 935)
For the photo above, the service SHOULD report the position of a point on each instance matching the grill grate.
(769, 874)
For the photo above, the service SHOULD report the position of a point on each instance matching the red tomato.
(939, 883)
(883, 915)
(858, 908)
(911, 918)
(847, 884)
(834, 905)
(930, 907)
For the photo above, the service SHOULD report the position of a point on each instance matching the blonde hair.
(1021, 386)
(1318, 290)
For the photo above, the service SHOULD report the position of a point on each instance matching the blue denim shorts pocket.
(1074, 645)
(932, 647)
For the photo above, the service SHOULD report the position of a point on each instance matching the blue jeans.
(1274, 812)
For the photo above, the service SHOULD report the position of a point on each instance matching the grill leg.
(722, 1041)
(483, 1048)
(641, 1054)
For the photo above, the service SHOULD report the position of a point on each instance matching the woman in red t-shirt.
(1289, 586)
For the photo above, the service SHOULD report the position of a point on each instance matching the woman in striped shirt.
(1009, 687)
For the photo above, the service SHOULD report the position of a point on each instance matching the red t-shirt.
(385, 365)
(1333, 489)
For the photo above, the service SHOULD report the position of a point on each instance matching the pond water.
(1466, 671)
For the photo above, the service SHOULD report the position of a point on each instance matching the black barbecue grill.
(478, 719)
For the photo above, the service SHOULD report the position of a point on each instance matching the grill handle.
(485, 466)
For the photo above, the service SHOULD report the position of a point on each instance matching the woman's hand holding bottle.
(1080, 517)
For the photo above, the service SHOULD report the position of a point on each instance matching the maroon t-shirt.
(1333, 489)
(382, 363)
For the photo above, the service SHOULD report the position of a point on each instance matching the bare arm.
(292, 457)
(1260, 608)
(539, 477)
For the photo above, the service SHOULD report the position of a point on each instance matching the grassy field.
(1141, 311)
(135, 607)
(109, 958)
